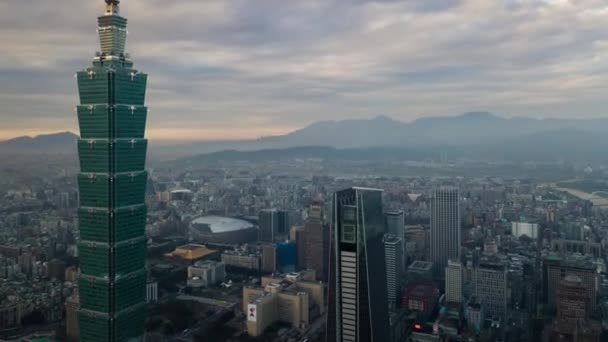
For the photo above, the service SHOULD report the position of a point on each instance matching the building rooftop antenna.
(112, 7)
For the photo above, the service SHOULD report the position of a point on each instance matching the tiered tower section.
(112, 183)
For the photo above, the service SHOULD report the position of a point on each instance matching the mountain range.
(45, 143)
(470, 135)
(468, 128)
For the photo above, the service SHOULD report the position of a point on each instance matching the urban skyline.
(470, 228)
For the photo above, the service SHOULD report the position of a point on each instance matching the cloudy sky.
(247, 68)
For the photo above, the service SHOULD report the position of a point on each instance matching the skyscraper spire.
(112, 30)
(112, 7)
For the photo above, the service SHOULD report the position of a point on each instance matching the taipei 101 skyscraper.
(112, 183)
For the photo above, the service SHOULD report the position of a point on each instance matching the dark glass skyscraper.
(358, 309)
(445, 228)
(272, 223)
(112, 183)
(282, 222)
(268, 221)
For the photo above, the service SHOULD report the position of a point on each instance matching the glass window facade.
(358, 309)
(112, 183)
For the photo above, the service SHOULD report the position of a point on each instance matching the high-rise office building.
(572, 303)
(395, 225)
(317, 244)
(445, 228)
(393, 259)
(269, 258)
(268, 225)
(490, 281)
(557, 269)
(358, 308)
(283, 222)
(112, 184)
(298, 234)
(72, 330)
(287, 256)
(572, 321)
(453, 282)
(272, 223)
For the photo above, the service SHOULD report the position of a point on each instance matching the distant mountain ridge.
(474, 133)
(467, 128)
(56, 142)
(543, 147)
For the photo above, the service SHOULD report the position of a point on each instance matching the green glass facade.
(112, 184)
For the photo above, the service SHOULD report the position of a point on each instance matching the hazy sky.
(245, 68)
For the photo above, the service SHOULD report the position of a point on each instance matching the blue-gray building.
(287, 256)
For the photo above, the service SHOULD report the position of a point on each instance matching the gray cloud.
(251, 66)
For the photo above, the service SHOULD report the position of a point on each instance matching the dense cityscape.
(230, 241)
(120, 245)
